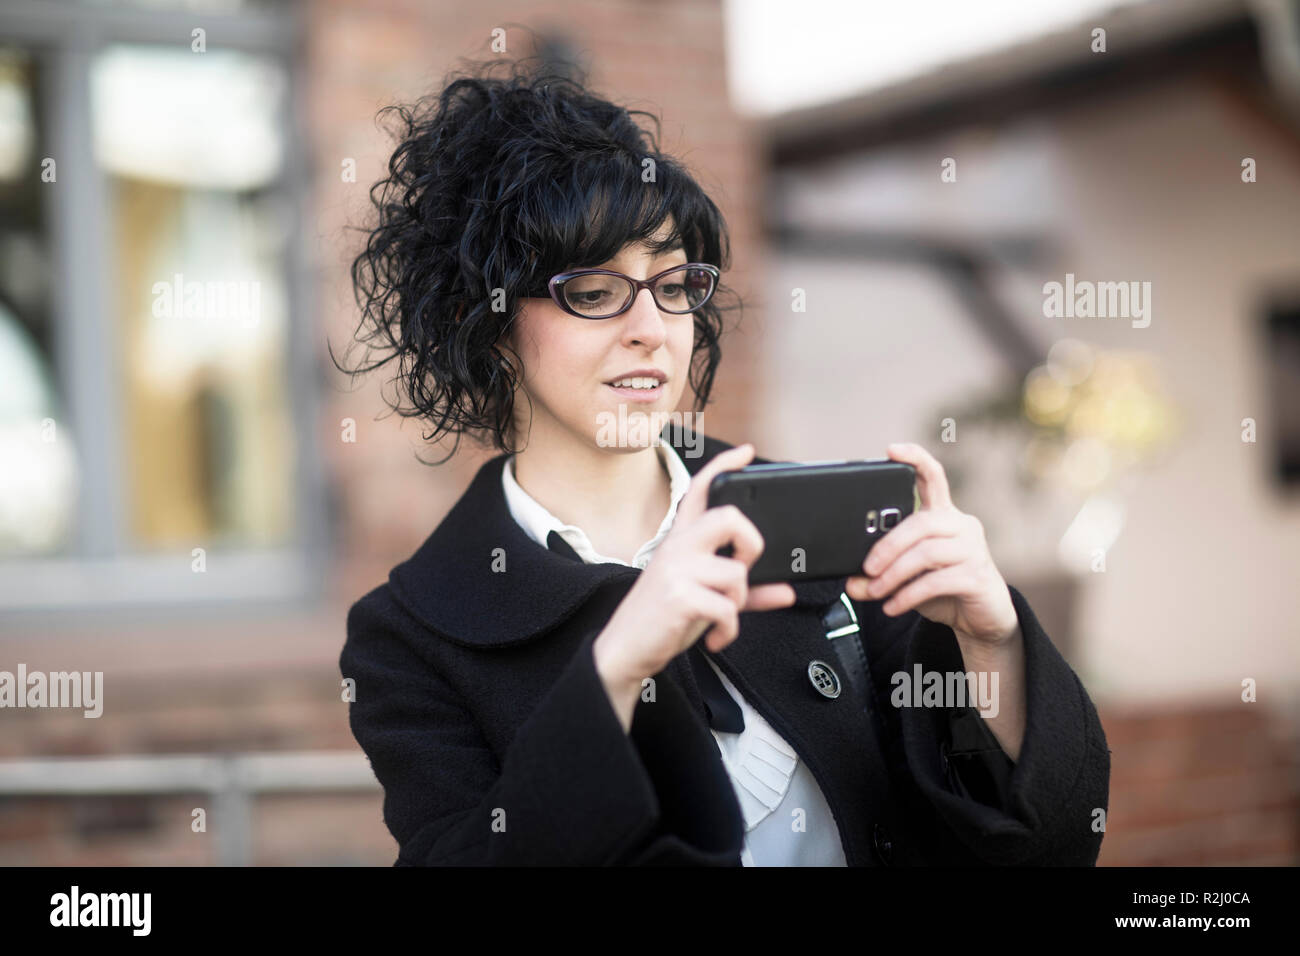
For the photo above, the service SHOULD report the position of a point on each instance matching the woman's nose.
(645, 323)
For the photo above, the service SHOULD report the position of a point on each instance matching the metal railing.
(232, 780)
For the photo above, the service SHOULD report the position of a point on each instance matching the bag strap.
(841, 624)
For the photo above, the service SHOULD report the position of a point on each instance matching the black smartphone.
(818, 519)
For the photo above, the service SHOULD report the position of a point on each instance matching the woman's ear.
(507, 352)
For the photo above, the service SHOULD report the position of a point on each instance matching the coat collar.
(479, 580)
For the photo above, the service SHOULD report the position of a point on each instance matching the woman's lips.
(638, 394)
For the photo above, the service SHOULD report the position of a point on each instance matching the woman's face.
(570, 362)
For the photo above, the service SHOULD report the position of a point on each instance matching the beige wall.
(1200, 589)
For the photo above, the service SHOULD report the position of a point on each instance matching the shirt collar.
(539, 522)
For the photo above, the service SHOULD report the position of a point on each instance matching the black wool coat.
(479, 706)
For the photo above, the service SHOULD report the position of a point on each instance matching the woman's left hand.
(937, 562)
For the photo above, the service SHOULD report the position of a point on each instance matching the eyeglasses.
(602, 294)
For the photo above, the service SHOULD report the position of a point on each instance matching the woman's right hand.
(686, 589)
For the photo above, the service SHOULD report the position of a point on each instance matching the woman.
(535, 685)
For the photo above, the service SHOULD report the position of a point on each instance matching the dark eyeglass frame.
(637, 285)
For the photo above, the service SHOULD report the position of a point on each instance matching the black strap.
(840, 623)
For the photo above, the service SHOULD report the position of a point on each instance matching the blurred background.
(191, 496)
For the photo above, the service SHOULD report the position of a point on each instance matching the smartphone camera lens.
(889, 517)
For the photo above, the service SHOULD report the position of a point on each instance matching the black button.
(883, 844)
(823, 677)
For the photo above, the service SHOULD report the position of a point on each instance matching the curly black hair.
(498, 183)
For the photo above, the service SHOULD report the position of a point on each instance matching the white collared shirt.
(774, 787)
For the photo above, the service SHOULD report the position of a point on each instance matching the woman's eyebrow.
(665, 253)
(678, 246)
(675, 247)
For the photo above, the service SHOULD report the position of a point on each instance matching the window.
(155, 411)
(1282, 337)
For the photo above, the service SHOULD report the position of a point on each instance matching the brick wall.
(1202, 786)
